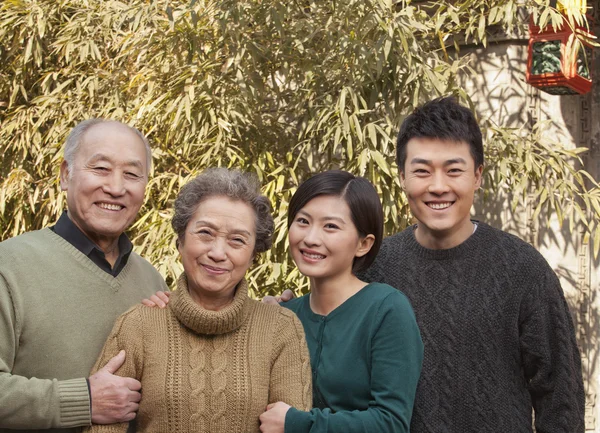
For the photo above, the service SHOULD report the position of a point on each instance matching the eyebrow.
(328, 218)
(214, 227)
(446, 163)
(101, 157)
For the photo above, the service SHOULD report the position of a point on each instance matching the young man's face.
(440, 180)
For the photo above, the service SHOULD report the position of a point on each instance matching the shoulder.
(276, 320)
(512, 250)
(145, 269)
(386, 298)
(140, 316)
(273, 313)
(27, 241)
(295, 304)
(397, 240)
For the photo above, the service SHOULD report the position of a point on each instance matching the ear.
(478, 177)
(402, 178)
(64, 176)
(364, 245)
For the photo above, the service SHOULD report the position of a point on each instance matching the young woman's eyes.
(301, 220)
(331, 226)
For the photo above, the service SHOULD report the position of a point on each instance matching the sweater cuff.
(74, 403)
(297, 421)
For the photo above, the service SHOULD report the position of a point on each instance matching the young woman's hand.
(273, 420)
(160, 300)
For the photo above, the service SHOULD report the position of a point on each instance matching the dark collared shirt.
(66, 229)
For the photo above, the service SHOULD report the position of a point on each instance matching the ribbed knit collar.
(203, 321)
(468, 246)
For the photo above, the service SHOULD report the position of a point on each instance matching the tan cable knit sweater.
(206, 371)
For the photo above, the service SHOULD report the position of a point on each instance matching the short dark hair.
(235, 184)
(444, 119)
(362, 199)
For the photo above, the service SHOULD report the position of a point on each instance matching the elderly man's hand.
(287, 295)
(273, 420)
(114, 398)
(160, 300)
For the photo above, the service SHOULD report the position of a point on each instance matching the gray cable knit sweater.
(498, 335)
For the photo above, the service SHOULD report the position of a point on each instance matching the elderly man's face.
(105, 187)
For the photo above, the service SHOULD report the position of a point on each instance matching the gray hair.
(75, 138)
(236, 185)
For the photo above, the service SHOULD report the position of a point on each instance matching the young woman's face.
(323, 239)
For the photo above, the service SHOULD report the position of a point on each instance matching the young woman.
(364, 343)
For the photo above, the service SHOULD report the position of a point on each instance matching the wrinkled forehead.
(115, 143)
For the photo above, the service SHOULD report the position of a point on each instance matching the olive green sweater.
(56, 309)
(210, 371)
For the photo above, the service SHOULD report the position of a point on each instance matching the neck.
(110, 250)
(328, 294)
(444, 240)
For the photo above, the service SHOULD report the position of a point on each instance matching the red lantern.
(550, 66)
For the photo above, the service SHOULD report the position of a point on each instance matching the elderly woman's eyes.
(239, 241)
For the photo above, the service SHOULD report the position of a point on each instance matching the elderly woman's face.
(218, 247)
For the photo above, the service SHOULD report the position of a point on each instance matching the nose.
(312, 236)
(114, 185)
(217, 252)
(438, 185)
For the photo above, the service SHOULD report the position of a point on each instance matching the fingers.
(132, 384)
(270, 405)
(148, 303)
(287, 295)
(270, 300)
(160, 299)
(114, 363)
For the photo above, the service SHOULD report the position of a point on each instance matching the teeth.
(439, 205)
(110, 206)
(314, 256)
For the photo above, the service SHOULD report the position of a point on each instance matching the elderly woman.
(214, 359)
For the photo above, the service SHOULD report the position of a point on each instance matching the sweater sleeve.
(290, 372)
(396, 359)
(30, 402)
(127, 334)
(550, 358)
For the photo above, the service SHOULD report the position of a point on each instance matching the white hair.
(75, 137)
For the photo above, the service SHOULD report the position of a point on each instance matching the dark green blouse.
(366, 360)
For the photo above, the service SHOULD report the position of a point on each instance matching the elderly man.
(61, 289)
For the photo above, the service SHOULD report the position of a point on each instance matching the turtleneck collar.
(203, 321)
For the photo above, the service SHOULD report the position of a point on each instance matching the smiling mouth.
(110, 206)
(312, 256)
(440, 206)
(213, 270)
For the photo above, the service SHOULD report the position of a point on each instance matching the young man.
(498, 336)
(61, 289)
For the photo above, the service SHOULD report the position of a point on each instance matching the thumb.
(114, 363)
